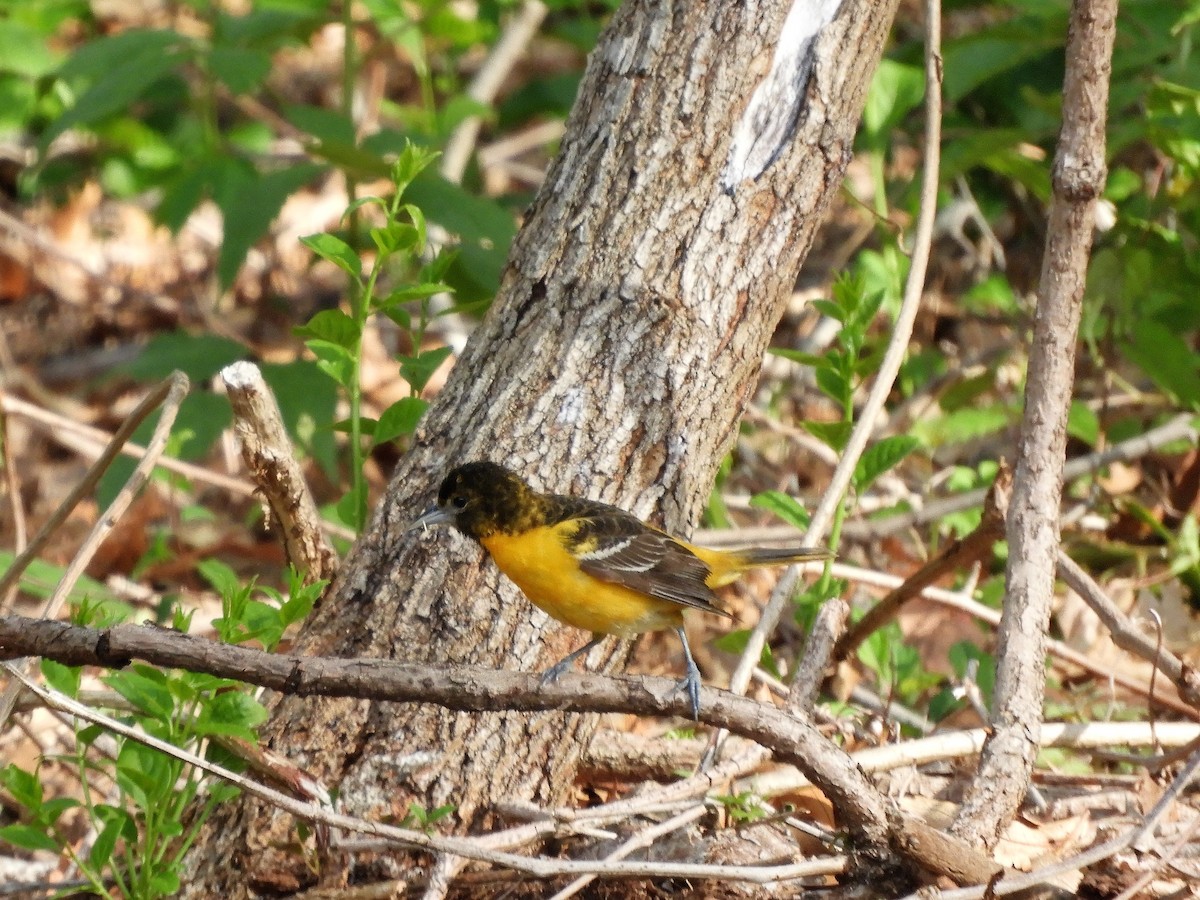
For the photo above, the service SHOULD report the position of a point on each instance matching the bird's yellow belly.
(538, 563)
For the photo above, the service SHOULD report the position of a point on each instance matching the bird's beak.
(433, 516)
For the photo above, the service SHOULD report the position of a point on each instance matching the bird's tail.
(727, 566)
(754, 557)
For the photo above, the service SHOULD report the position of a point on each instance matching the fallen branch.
(878, 829)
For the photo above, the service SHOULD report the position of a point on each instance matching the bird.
(591, 565)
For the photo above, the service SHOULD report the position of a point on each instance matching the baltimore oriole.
(592, 565)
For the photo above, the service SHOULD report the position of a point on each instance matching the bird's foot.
(691, 684)
(556, 671)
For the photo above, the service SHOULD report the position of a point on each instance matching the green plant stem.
(349, 78)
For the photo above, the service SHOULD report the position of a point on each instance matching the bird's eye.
(458, 501)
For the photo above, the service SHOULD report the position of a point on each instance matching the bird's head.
(480, 499)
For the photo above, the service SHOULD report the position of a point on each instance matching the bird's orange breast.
(539, 564)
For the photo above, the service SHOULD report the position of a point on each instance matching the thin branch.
(956, 555)
(71, 434)
(268, 453)
(1080, 861)
(467, 847)
(863, 810)
(1000, 785)
(89, 441)
(819, 648)
(486, 84)
(13, 484)
(888, 369)
(175, 389)
(1180, 428)
(1056, 648)
(93, 475)
(1125, 635)
(638, 841)
(953, 745)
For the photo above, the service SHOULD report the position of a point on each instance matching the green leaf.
(782, 505)
(323, 124)
(146, 775)
(28, 838)
(352, 509)
(164, 883)
(146, 689)
(836, 386)
(240, 69)
(797, 356)
(332, 325)
(52, 810)
(829, 308)
(24, 786)
(271, 25)
(41, 578)
(963, 425)
(199, 356)
(336, 251)
(334, 360)
(411, 162)
(307, 400)
(418, 369)
(219, 575)
(880, 457)
(399, 419)
(832, 434)
(1165, 356)
(231, 713)
(735, 642)
(117, 824)
(406, 295)
(140, 59)
(247, 211)
(23, 51)
(895, 90)
(352, 160)
(1083, 424)
(64, 679)
(987, 54)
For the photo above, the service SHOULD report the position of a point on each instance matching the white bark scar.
(770, 119)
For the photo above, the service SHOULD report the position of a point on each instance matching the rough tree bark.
(705, 146)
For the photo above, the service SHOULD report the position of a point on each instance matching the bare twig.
(271, 459)
(957, 554)
(149, 403)
(1090, 857)
(1079, 172)
(1125, 634)
(951, 745)
(956, 600)
(888, 369)
(819, 649)
(474, 849)
(487, 81)
(13, 486)
(175, 389)
(89, 441)
(870, 818)
(1180, 428)
(643, 838)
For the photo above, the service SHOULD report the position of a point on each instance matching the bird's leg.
(691, 681)
(555, 671)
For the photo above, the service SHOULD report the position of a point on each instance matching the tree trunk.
(704, 148)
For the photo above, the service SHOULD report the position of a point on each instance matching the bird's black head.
(481, 499)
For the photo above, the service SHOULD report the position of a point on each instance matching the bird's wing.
(616, 547)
